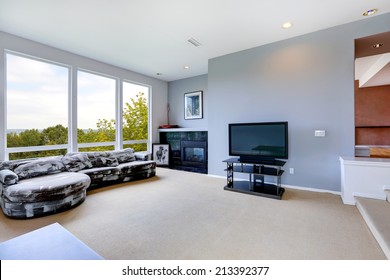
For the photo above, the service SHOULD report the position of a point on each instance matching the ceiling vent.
(194, 42)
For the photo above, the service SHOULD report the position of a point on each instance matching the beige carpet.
(183, 215)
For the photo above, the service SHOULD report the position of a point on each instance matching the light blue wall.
(176, 90)
(307, 81)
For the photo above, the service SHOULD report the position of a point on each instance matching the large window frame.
(120, 128)
(73, 145)
(117, 94)
(10, 150)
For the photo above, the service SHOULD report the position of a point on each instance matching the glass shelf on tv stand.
(257, 173)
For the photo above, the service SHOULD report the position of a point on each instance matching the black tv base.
(255, 159)
(257, 172)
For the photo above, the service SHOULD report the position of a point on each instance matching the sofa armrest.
(7, 177)
(143, 156)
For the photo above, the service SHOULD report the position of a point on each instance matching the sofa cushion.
(76, 162)
(104, 159)
(136, 166)
(7, 177)
(12, 164)
(125, 155)
(102, 174)
(40, 167)
(101, 159)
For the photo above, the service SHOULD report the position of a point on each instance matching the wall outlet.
(291, 170)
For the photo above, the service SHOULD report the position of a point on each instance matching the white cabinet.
(364, 177)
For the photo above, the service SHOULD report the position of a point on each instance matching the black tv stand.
(257, 172)
(270, 161)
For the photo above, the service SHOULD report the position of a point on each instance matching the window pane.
(135, 112)
(96, 108)
(37, 102)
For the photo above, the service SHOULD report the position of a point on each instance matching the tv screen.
(259, 141)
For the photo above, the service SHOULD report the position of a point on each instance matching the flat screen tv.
(259, 142)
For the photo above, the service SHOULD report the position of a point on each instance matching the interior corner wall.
(14, 43)
(176, 91)
(307, 81)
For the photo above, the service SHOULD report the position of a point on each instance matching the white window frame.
(140, 141)
(8, 151)
(117, 93)
(73, 145)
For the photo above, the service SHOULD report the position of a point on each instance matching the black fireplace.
(188, 149)
(193, 154)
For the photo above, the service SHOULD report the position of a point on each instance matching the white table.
(52, 242)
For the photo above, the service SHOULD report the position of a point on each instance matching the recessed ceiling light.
(370, 12)
(377, 45)
(186, 67)
(287, 25)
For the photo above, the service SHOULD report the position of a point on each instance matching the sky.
(37, 95)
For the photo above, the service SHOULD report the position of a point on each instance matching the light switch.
(319, 133)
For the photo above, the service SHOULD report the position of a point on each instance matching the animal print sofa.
(36, 187)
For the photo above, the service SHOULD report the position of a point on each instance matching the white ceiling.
(151, 36)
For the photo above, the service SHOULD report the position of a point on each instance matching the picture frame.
(161, 154)
(193, 105)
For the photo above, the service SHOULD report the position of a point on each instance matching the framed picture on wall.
(193, 105)
(160, 154)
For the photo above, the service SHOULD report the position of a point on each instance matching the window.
(37, 107)
(135, 112)
(96, 97)
(38, 102)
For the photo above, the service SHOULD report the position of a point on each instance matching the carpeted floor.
(183, 215)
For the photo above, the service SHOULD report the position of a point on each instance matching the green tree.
(30, 137)
(55, 135)
(86, 136)
(105, 131)
(13, 139)
(135, 120)
(135, 127)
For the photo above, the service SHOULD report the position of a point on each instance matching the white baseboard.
(312, 189)
(369, 195)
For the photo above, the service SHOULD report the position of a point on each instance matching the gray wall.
(307, 81)
(176, 90)
(14, 43)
